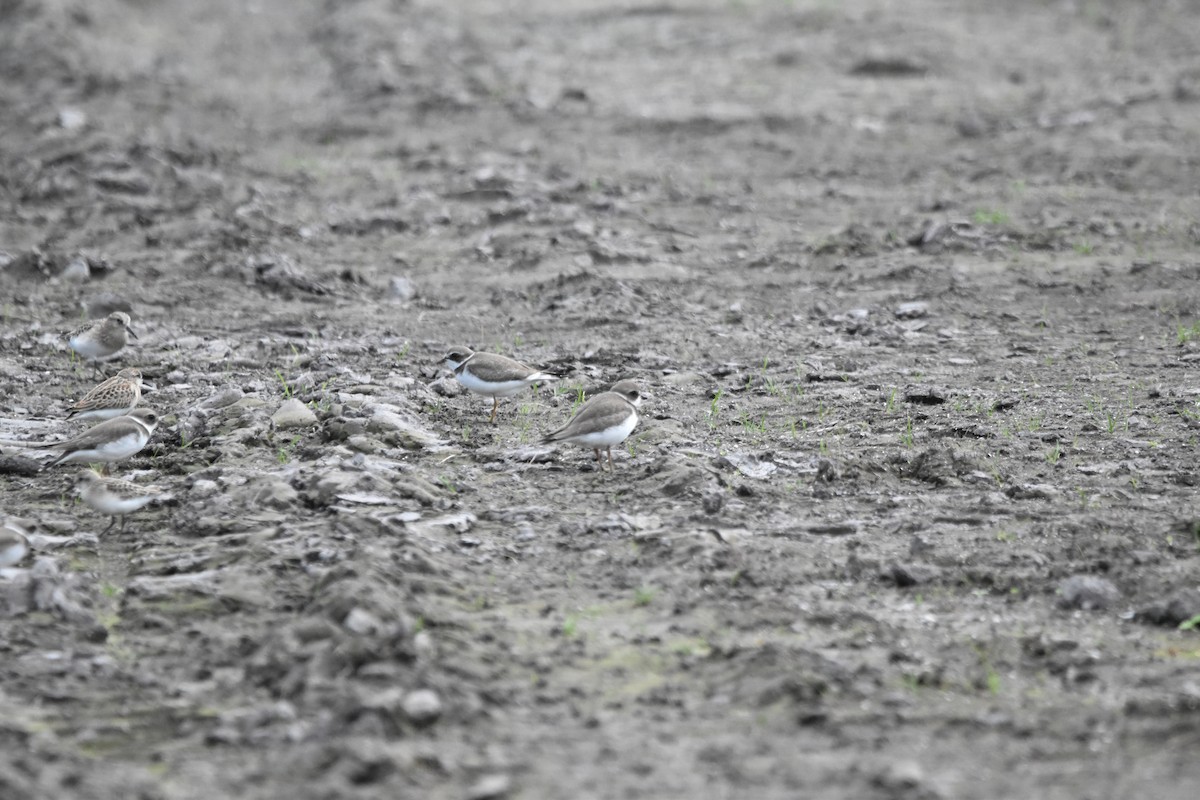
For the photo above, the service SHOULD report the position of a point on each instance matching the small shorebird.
(100, 341)
(116, 397)
(604, 421)
(114, 496)
(492, 375)
(111, 440)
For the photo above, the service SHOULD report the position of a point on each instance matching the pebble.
(917, 308)
(77, 271)
(422, 706)
(1089, 592)
(226, 397)
(362, 622)
(272, 492)
(1177, 608)
(401, 288)
(911, 574)
(293, 414)
(490, 787)
(71, 118)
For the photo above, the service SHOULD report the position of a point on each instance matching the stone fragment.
(293, 414)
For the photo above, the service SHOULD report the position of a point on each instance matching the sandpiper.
(492, 375)
(100, 341)
(111, 440)
(13, 544)
(603, 421)
(114, 496)
(116, 397)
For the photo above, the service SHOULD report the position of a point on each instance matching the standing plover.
(604, 421)
(111, 440)
(114, 496)
(13, 544)
(100, 341)
(115, 397)
(492, 375)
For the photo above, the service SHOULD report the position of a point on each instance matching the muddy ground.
(911, 512)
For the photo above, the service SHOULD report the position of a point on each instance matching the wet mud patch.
(909, 509)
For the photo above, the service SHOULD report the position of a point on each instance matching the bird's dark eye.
(634, 395)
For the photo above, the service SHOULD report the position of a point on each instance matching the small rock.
(71, 119)
(203, 488)
(925, 395)
(905, 779)
(362, 622)
(226, 397)
(917, 308)
(422, 706)
(77, 271)
(1031, 491)
(401, 288)
(711, 501)
(293, 414)
(911, 574)
(1089, 592)
(271, 492)
(1178, 608)
(490, 787)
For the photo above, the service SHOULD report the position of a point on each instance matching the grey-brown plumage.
(112, 440)
(116, 497)
(492, 375)
(603, 421)
(100, 341)
(115, 397)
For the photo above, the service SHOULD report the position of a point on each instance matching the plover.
(100, 341)
(492, 375)
(112, 440)
(13, 544)
(114, 496)
(116, 397)
(604, 421)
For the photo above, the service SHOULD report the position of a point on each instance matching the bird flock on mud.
(123, 428)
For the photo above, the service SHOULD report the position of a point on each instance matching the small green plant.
(1053, 454)
(1185, 334)
(287, 388)
(1084, 248)
(1084, 498)
(890, 405)
(284, 453)
(1003, 536)
(643, 596)
(907, 436)
(714, 408)
(986, 216)
(403, 351)
(466, 433)
(1190, 624)
(570, 626)
(448, 484)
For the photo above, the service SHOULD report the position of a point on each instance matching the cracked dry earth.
(910, 512)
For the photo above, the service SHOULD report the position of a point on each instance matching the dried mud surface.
(911, 512)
